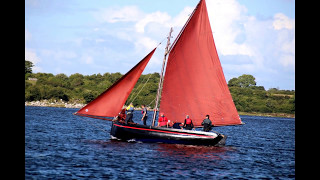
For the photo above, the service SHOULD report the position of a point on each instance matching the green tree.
(58, 93)
(32, 94)
(244, 81)
(115, 77)
(76, 80)
(28, 67)
(63, 80)
(233, 82)
(89, 96)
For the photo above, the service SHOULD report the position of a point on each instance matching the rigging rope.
(133, 93)
(161, 41)
(135, 90)
(141, 88)
(152, 101)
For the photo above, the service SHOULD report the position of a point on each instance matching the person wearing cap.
(163, 121)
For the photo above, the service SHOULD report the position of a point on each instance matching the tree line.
(84, 88)
(251, 98)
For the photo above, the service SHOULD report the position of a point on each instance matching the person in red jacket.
(162, 121)
(188, 123)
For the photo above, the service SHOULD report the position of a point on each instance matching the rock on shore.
(54, 103)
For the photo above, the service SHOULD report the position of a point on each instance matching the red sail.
(110, 102)
(194, 83)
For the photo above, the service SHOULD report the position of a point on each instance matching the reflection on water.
(194, 152)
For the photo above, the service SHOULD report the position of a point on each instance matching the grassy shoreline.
(286, 115)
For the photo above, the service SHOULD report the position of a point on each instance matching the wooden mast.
(161, 77)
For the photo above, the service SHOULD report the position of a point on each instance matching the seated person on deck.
(162, 121)
(188, 123)
(207, 124)
(177, 125)
(122, 116)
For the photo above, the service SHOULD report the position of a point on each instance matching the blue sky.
(254, 37)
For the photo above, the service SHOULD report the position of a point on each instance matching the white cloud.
(145, 43)
(285, 42)
(287, 60)
(179, 21)
(265, 41)
(124, 14)
(156, 17)
(30, 55)
(287, 53)
(289, 46)
(281, 21)
(226, 19)
(239, 68)
(262, 45)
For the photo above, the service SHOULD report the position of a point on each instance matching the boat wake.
(118, 139)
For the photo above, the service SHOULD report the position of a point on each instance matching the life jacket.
(188, 121)
(130, 109)
(163, 121)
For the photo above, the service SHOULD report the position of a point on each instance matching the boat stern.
(222, 140)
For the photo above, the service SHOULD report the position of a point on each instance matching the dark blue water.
(59, 145)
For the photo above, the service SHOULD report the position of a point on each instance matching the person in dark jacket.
(188, 123)
(144, 113)
(207, 124)
(176, 125)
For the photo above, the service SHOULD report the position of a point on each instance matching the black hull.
(165, 135)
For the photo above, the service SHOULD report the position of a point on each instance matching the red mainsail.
(194, 83)
(110, 102)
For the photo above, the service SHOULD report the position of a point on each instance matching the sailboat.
(191, 83)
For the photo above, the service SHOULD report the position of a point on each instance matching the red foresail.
(194, 83)
(110, 102)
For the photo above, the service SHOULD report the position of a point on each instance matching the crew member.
(163, 121)
(129, 116)
(188, 123)
(144, 114)
(176, 125)
(207, 124)
(122, 115)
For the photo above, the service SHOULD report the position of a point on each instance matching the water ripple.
(59, 145)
